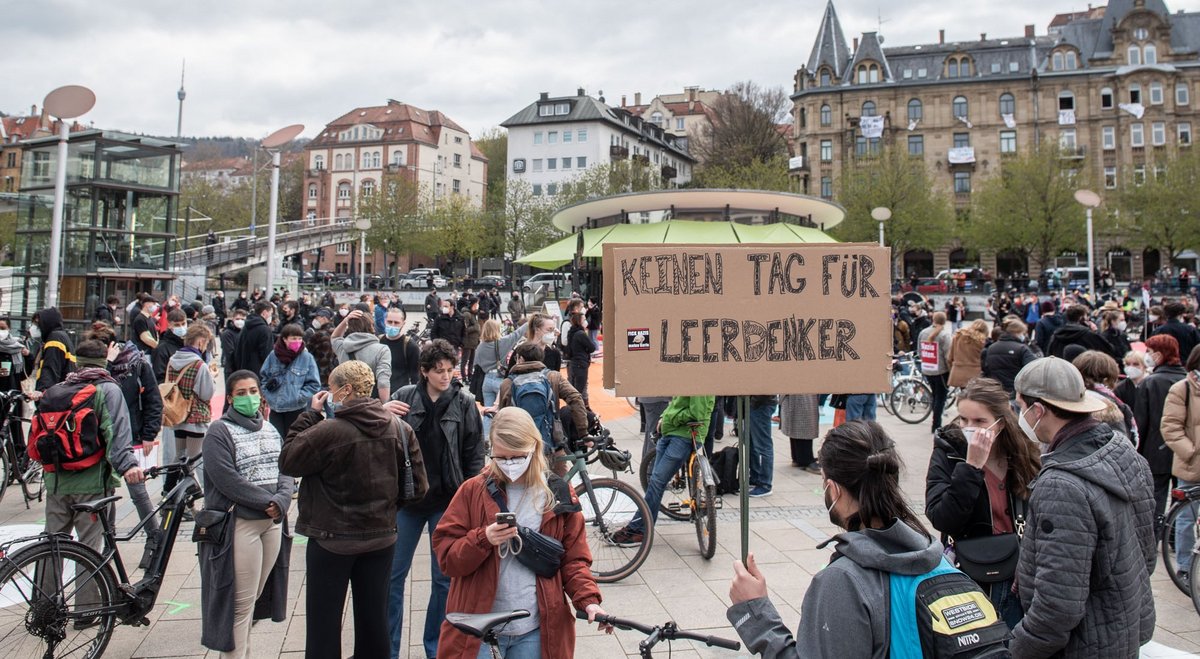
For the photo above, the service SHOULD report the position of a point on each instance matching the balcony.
(317, 172)
(669, 172)
(642, 158)
(1072, 152)
(961, 155)
(797, 163)
(618, 152)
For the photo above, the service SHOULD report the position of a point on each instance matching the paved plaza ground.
(674, 583)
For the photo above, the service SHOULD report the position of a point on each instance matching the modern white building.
(554, 139)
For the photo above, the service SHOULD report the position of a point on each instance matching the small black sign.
(638, 339)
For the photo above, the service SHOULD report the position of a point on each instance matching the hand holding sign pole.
(741, 320)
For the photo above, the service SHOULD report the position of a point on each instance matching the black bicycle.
(658, 633)
(15, 464)
(484, 626)
(1185, 501)
(61, 598)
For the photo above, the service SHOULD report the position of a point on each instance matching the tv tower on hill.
(181, 94)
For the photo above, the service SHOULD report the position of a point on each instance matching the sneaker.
(625, 536)
(759, 491)
(814, 468)
(1184, 578)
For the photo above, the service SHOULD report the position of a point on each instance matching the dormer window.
(868, 73)
(825, 78)
(545, 110)
(1133, 57)
(1064, 60)
(958, 66)
(1150, 54)
(1141, 34)
(562, 108)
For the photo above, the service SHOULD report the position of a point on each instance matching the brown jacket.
(563, 390)
(350, 467)
(966, 352)
(1180, 427)
(473, 565)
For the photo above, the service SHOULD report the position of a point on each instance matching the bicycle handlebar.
(185, 466)
(665, 632)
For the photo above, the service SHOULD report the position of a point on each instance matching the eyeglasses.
(509, 461)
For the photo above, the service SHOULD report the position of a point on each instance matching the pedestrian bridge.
(246, 251)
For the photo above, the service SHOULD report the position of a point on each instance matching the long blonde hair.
(513, 429)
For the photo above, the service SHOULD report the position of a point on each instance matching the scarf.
(89, 375)
(12, 347)
(284, 354)
(125, 361)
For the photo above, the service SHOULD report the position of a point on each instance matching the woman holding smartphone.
(477, 546)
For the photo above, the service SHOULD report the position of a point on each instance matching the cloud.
(253, 66)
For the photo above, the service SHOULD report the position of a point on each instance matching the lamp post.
(882, 214)
(1089, 200)
(363, 225)
(65, 103)
(272, 143)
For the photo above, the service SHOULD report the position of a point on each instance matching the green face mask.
(247, 405)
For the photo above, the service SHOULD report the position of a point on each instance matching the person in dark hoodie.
(1075, 332)
(1046, 326)
(56, 358)
(257, 340)
(354, 339)
(169, 343)
(229, 340)
(1089, 546)
(1162, 355)
(846, 610)
(1187, 336)
(318, 343)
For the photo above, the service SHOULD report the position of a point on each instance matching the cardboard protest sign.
(732, 320)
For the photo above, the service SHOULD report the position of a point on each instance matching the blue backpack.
(533, 393)
(943, 613)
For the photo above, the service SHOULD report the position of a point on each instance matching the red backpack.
(65, 432)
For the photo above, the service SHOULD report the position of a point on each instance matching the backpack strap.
(497, 496)
(407, 485)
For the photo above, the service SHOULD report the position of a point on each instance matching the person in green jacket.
(674, 447)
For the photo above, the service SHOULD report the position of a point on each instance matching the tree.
(526, 221)
(493, 142)
(616, 177)
(1029, 207)
(455, 229)
(744, 127)
(1160, 206)
(395, 211)
(758, 175)
(922, 216)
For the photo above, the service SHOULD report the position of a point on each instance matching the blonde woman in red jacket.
(476, 552)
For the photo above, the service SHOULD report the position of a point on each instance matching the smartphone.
(507, 519)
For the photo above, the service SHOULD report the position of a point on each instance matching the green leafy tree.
(525, 223)
(757, 175)
(1029, 207)
(617, 177)
(493, 142)
(397, 222)
(922, 216)
(1159, 211)
(455, 229)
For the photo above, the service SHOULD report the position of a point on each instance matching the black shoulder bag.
(212, 525)
(536, 551)
(992, 558)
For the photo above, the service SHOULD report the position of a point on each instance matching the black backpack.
(725, 466)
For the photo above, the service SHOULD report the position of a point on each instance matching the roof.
(477, 154)
(830, 47)
(692, 202)
(400, 122)
(1060, 20)
(871, 49)
(16, 129)
(1116, 12)
(112, 135)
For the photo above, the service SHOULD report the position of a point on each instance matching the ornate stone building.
(1115, 86)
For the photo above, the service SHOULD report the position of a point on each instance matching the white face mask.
(35, 332)
(1134, 372)
(969, 432)
(1149, 360)
(4, 335)
(1121, 326)
(343, 312)
(1030, 430)
(548, 338)
(239, 323)
(514, 468)
(1153, 318)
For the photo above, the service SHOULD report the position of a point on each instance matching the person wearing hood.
(13, 354)
(1162, 355)
(846, 610)
(242, 473)
(55, 360)
(289, 378)
(448, 325)
(194, 379)
(257, 339)
(169, 344)
(351, 491)
(319, 345)
(241, 302)
(1089, 547)
(139, 389)
(446, 421)
(1075, 332)
(354, 339)
(1049, 323)
(229, 340)
(1005, 357)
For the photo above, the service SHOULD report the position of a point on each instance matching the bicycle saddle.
(94, 507)
(479, 624)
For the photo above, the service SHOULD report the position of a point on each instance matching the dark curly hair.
(434, 352)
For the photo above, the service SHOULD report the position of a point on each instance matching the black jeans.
(939, 387)
(284, 420)
(328, 575)
(578, 377)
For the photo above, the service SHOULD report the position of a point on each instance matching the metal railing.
(288, 235)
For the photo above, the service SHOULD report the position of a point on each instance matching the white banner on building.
(1136, 109)
(912, 125)
(871, 127)
(965, 122)
(961, 155)
(1009, 120)
(1066, 117)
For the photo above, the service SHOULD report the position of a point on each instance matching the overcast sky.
(257, 65)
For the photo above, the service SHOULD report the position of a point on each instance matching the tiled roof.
(830, 48)
(400, 122)
(586, 108)
(477, 154)
(871, 50)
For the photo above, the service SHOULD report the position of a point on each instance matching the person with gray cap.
(1088, 548)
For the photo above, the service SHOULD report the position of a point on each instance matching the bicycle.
(1183, 498)
(67, 597)
(658, 633)
(693, 493)
(903, 364)
(483, 626)
(15, 464)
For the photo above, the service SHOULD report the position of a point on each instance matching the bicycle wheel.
(704, 505)
(34, 480)
(1194, 587)
(1171, 544)
(57, 599)
(607, 508)
(673, 503)
(912, 400)
(6, 472)
(883, 402)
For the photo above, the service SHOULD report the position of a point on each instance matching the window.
(375, 160)
(914, 110)
(537, 137)
(1141, 34)
(562, 108)
(1108, 138)
(1150, 54)
(581, 135)
(826, 150)
(312, 190)
(921, 73)
(868, 109)
(1135, 93)
(827, 187)
(962, 140)
(1133, 56)
(1137, 136)
(679, 125)
(995, 67)
(552, 137)
(826, 116)
(657, 118)
(1056, 62)
(366, 161)
(1110, 178)
(1066, 101)
(916, 145)
(537, 189)
(1158, 133)
(545, 110)
(1106, 99)
(862, 75)
(960, 107)
(343, 248)
(1014, 67)
(537, 164)
(397, 158)
(566, 163)
(952, 68)
(1008, 104)
(1184, 132)
(551, 164)
(1066, 139)
(1156, 93)
(866, 147)
(343, 190)
(1181, 94)
(825, 78)
(962, 182)
(318, 162)
(581, 162)
(1008, 141)
(337, 161)
(368, 188)
(1072, 61)
(456, 186)
(1139, 174)
(551, 189)
(458, 160)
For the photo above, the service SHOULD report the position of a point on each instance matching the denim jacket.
(298, 382)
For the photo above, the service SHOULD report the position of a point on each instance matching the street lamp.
(65, 103)
(363, 225)
(1089, 200)
(272, 144)
(881, 214)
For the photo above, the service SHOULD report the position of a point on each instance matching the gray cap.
(1057, 382)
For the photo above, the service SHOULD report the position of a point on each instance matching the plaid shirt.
(199, 411)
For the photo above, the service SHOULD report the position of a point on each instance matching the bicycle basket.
(614, 459)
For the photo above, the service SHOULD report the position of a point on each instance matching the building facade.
(14, 130)
(353, 153)
(1115, 87)
(686, 116)
(555, 139)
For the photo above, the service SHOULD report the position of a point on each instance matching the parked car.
(486, 281)
(927, 286)
(419, 278)
(550, 280)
